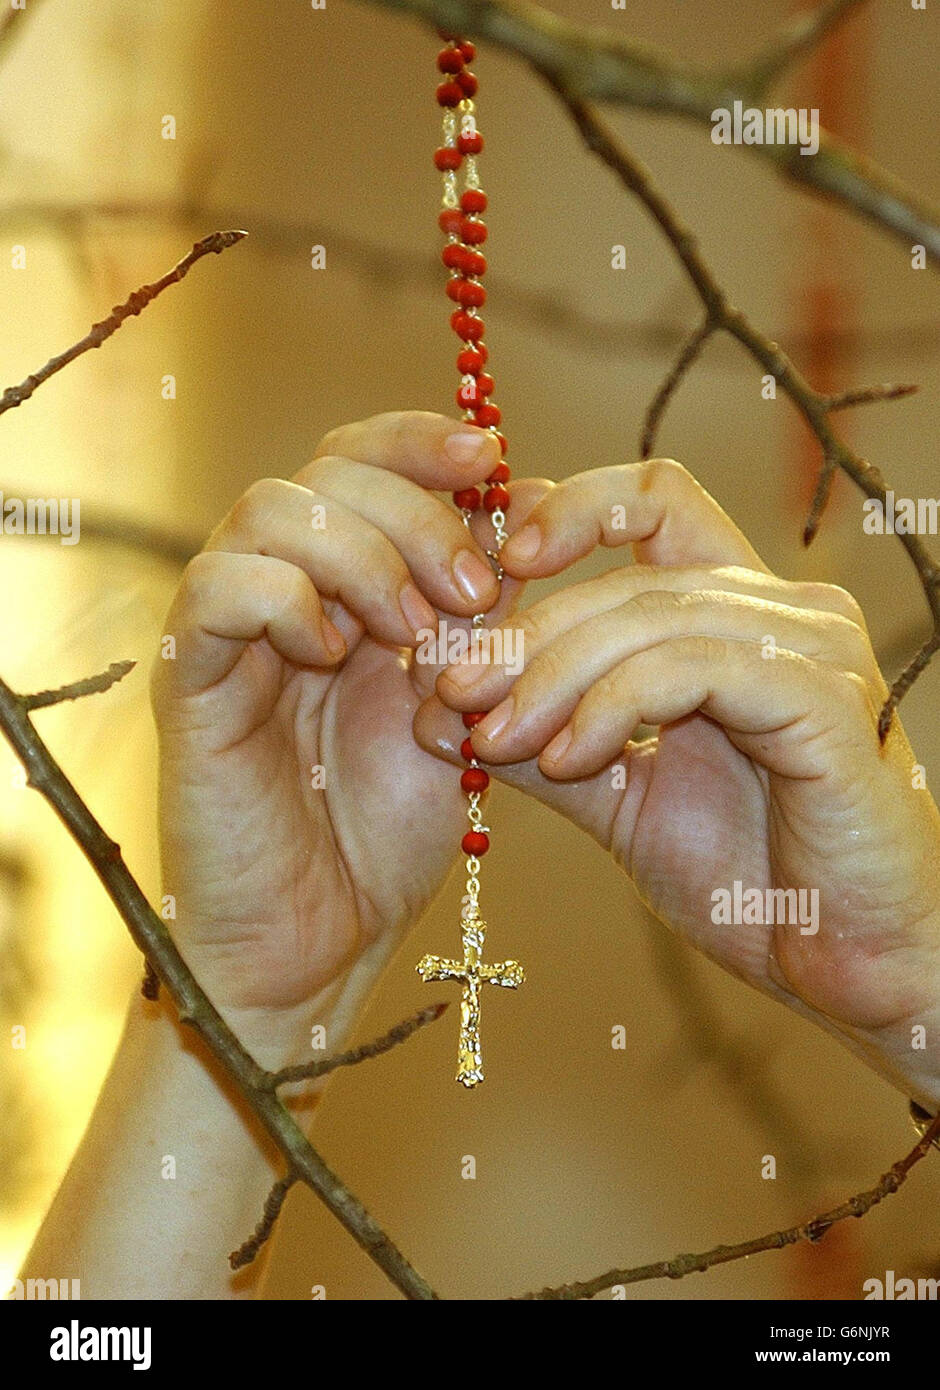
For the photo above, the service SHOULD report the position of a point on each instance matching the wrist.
(278, 1036)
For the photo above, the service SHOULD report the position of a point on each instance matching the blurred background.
(316, 126)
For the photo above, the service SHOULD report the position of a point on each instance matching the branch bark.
(596, 64)
(150, 934)
(812, 1231)
(99, 333)
(815, 407)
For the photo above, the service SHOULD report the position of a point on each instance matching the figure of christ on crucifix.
(473, 973)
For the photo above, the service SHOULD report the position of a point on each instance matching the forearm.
(173, 1170)
(170, 1176)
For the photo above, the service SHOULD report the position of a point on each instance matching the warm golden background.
(316, 126)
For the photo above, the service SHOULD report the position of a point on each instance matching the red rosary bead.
(470, 721)
(473, 200)
(452, 288)
(453, 255)
(469, 395)
(475, 780)
(467, 50)
(475, 843)
(467, 326)
(488, 415)
(485, 383)
(500, 474)
(467, 82)
(470, 361)
(450, 94)
(470, 144)
(466, 750)
(473, 233)
(470, 294)
(467, 499)
(474, 263)
(450, 60)
(450, 220)
(448, 158)
(496, 497)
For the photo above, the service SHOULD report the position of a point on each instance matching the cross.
(473, 973)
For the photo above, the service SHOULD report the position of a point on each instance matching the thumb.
(592, 803)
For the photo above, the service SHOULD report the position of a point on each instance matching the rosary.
(461, 223)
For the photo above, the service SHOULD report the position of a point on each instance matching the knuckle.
(662, 605)
(326, 443)
(859, 696)
(662, 475)
(319, 465)
(255, 502)
(199, 575)
(548, 667)
(837, 599)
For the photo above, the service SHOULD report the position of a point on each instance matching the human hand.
(767, 769)
(295, 662)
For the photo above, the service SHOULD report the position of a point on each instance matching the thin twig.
(262, 1232)
(154, 941)
(656, 409)
(306, 1071)
(89, 685)
(150, 984)
(100, 332)
(399, 266)
(800, 36)
(812, 405)
(867, 394)
(811, 1231)
(600, 65)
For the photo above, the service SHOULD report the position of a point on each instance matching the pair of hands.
(295, 651)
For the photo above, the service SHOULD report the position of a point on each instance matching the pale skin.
(295, 651)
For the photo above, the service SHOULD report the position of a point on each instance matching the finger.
(592, 803)
(224, 602)
(657, 506)
(552, 624)
(524, 496)
(448, 565)
(790, 715)
(431, 450)
(344, 555)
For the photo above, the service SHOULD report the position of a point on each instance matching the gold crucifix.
(473, 973)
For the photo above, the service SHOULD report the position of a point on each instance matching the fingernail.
(332, 638)
(474, 577)
(556, 750)
(470, 448)
(525, 544)
(418, 612)
(497, 719)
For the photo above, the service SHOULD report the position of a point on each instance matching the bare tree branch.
(596, 64)
(265, 1227)
(812, 405)
(306, 1071)
(90, 685)
(812, 1231)
(100, 332)
(868, 394)
(800, 36)
(656, 409)
(195, 1009)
